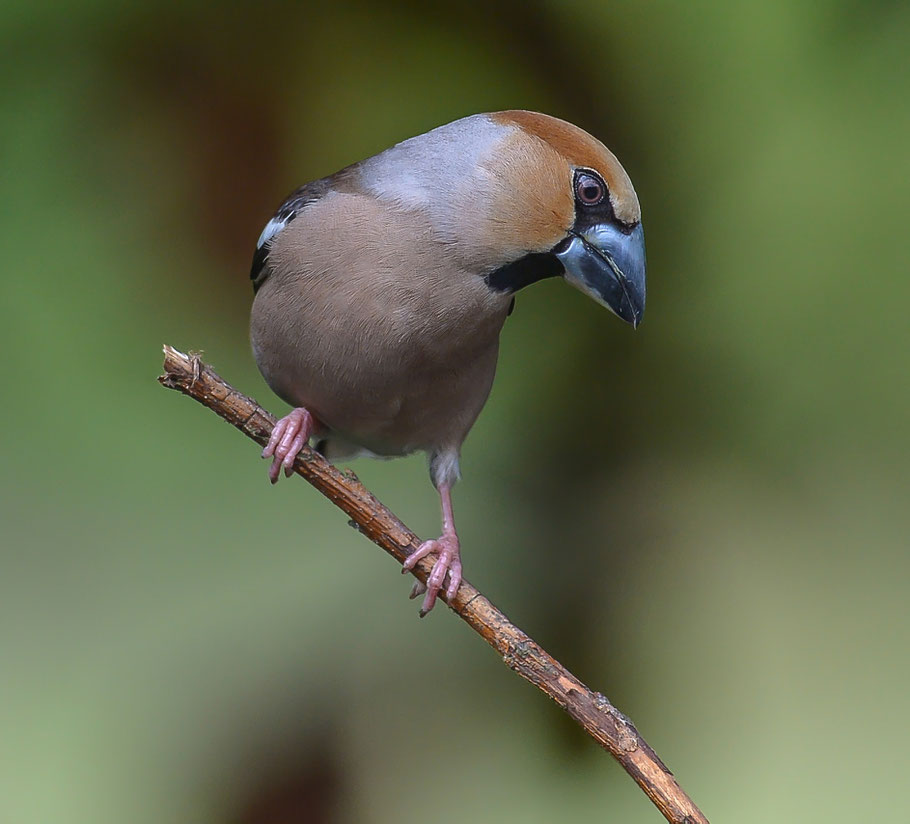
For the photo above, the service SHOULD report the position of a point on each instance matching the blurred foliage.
(707, 519)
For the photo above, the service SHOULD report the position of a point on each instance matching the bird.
(381, 290)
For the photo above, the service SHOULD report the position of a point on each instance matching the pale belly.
(387, 385)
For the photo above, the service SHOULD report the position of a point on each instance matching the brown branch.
(596, 715)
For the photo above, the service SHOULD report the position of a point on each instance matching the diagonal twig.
(593, 712)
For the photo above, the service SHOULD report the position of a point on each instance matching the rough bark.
(593, 712)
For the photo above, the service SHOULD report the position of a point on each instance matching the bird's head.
(521, 196)
(575, 213)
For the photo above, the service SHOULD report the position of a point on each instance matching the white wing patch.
(272, 228)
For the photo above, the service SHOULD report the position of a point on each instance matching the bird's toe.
(289, 436)
(454, 579)
(447, 564)
(421, 552)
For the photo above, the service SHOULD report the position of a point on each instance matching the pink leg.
(449, 560)
(288, 438)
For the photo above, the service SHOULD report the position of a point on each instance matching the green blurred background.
(707, 520)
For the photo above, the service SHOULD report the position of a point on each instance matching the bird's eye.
(589, 190)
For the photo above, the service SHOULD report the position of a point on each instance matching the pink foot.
(288, 437)
(448, 562)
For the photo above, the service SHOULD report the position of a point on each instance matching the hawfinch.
(381, 290)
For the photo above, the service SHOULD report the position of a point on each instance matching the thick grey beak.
(609, 266)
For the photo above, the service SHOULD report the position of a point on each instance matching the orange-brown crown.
(579, 149)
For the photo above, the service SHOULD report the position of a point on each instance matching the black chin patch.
(524, 271)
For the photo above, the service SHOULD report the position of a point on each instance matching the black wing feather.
(298, 200)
